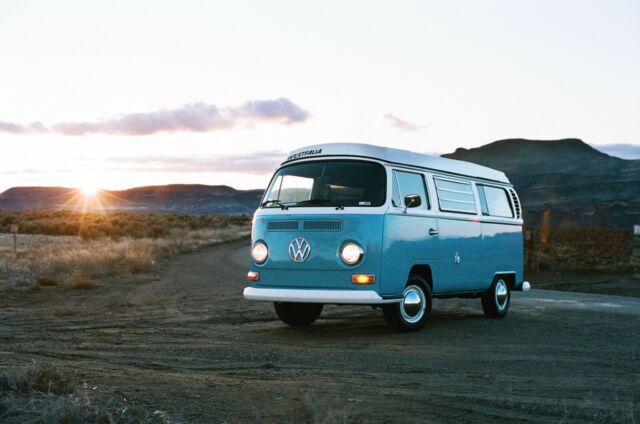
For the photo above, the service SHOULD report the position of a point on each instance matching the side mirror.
(412, 201)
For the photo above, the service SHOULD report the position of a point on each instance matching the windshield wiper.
(311, 202)
(274, 202)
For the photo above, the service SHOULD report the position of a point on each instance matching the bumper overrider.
(525, 286)
(348, 297)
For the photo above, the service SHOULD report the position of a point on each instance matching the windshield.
(328, 183)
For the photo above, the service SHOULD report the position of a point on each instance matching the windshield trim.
(295, 205)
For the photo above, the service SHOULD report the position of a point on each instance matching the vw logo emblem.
(299, 249)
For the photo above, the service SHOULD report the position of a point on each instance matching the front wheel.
(412, 313)
(495, 302)
(298, 314)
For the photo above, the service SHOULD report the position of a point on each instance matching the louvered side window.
(455, 196)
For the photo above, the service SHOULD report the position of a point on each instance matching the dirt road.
(188, 344)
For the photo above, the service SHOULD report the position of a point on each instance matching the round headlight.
(351, 253)
(259, 252)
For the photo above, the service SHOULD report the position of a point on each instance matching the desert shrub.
(43, 393)
(42, 378)
(580, 248)
(81, 281)
(95, 225)
(47, 281)
(86, 263)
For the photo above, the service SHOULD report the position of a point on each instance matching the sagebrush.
(115, 225)
(84, 262)
(44, 393)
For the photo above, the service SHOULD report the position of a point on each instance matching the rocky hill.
(578, 185)
(575, 184)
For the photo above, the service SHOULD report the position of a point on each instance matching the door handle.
(433, 232)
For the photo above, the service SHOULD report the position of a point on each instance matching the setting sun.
(88, 190)
(88, 198)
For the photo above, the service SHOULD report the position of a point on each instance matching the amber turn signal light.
(253, 276)
(363, 278)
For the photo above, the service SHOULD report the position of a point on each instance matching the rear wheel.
(298, 314)
(495, 302)
(412, 313)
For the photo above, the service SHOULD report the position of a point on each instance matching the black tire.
(495, 302)
(298, 314)
(398, 315)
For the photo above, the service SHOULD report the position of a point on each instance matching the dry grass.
(42, 378)
(83, 264)
(608, 250)
(47, 281)
(82, 281)
(42, 393)
(116, 225)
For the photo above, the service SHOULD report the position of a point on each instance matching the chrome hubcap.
(502, 294)
(413, 304)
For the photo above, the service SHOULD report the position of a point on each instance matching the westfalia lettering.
(305, 153)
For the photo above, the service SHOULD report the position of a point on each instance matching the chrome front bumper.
(348, 297)
(524, 287)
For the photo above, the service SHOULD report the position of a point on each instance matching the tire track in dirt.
(190, 345)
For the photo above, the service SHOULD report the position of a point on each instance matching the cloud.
(621, 150)
(257, 163)
(392, 121)
(195, 117)
(281, 110)
(10, 127)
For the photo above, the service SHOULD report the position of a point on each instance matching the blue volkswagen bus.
(350, 223)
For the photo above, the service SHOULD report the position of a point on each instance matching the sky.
(120, 94)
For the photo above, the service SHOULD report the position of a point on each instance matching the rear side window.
(494, 201)
(455, 196)
(406, 183)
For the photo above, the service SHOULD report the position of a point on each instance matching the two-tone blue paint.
(462, 252)
(324, 268)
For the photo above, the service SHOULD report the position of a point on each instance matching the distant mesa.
(579, 185)
(535, 156)
(176, 198)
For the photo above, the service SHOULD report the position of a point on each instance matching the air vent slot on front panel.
(322, 225)
(282, 225)
(516, 203)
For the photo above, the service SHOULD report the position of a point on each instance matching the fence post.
(635, 251)
(532, 250)
(14, 230)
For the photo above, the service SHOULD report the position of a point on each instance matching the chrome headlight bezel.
(259, 252)
(351, 253)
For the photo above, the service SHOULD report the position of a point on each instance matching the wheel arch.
(424, 271)
(508, 276)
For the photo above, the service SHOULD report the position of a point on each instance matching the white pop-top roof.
(398, 156)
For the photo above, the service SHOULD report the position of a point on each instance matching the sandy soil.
(188, 344)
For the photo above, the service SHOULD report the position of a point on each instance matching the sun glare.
(88, 191)
(88, 198)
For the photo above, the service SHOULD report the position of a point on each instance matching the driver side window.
(408, 183)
